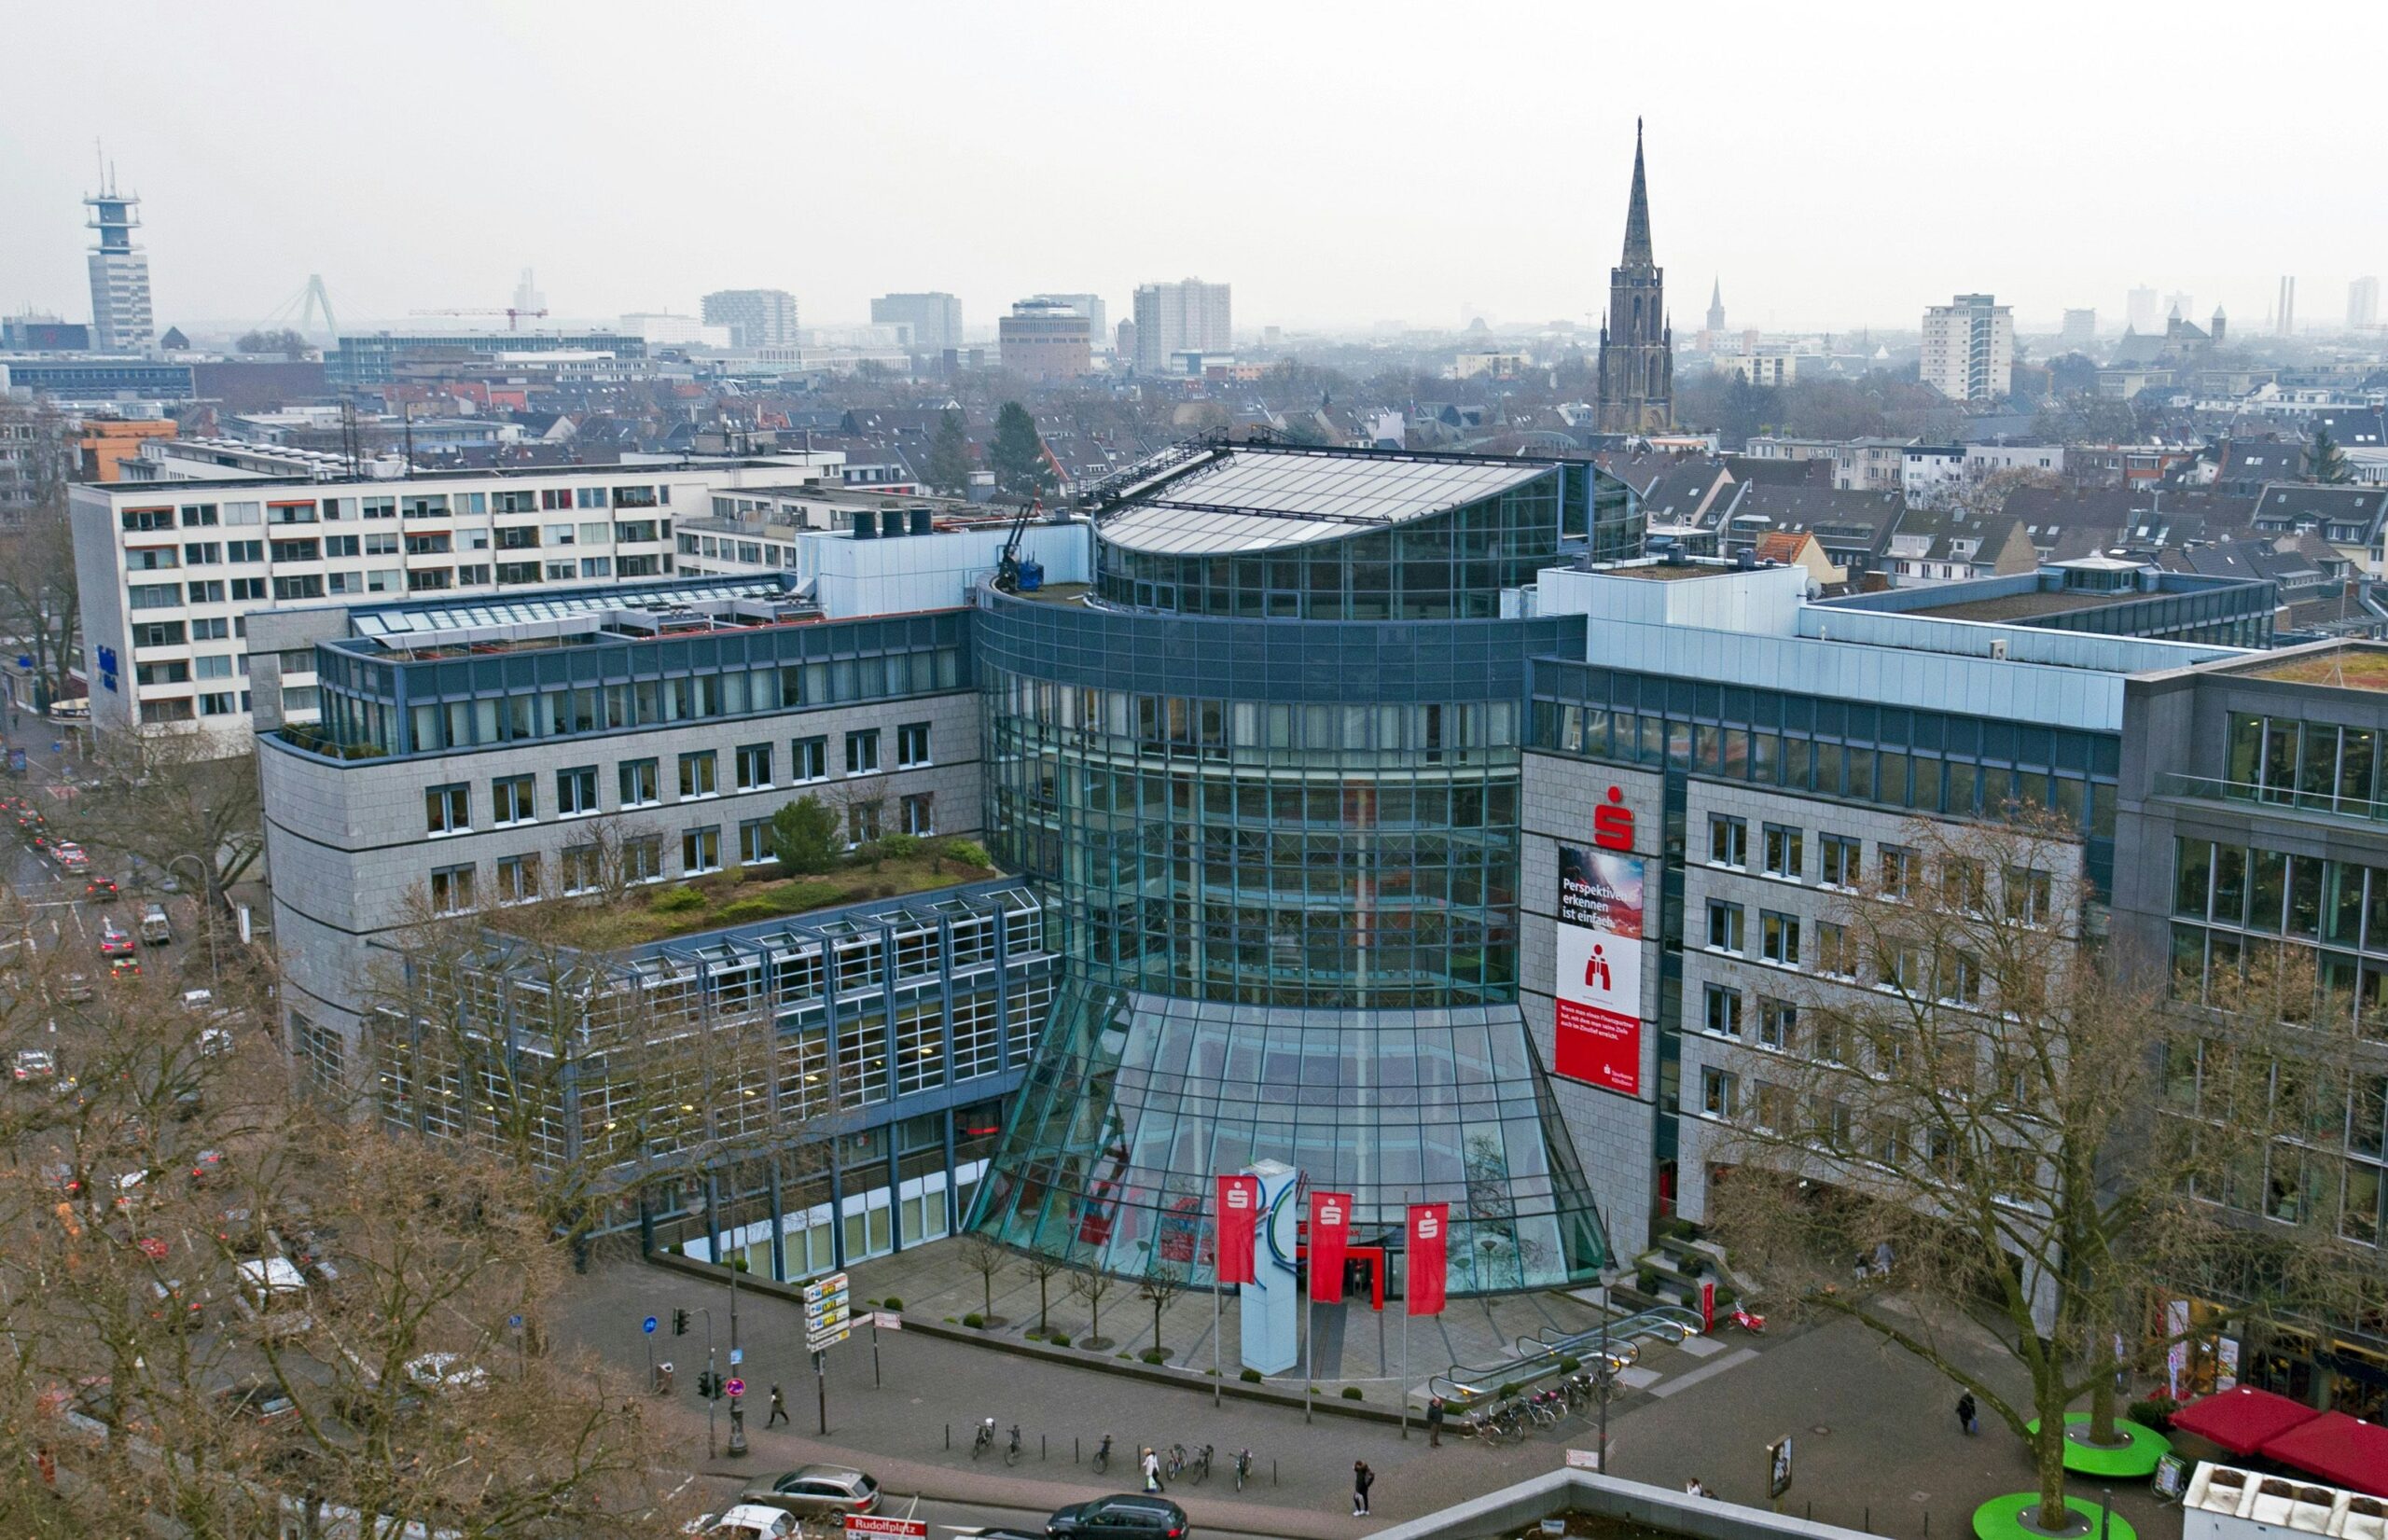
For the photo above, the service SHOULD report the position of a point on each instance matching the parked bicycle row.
(1154, 1462)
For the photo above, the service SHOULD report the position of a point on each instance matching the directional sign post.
(829, 1317)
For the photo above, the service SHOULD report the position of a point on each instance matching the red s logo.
(1613, 824)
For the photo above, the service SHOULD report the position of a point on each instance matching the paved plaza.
(1876, 1434)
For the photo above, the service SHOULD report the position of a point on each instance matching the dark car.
(101, 889)
(1126, 1515)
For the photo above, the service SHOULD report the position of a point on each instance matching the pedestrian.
(1152, 1469)
(1695, 1487)
(1968, 1415)
(779, 1408)
(1361, 1479)
(1434, 1423)
(1864, 1267)
(1882, 1258)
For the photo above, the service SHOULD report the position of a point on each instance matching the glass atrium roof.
(1258, 500)
(412, 622)
(1135, 1100)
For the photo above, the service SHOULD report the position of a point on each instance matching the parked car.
(114, 940)
(70, 857)
(74, 989)
(34, 1064)
(101, 890)
(173, 1303)
(814, 1491)
(446, 1371)
(1126, 1514)
(746, 1521)
(156, 929)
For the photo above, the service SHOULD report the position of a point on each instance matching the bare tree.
(1977, 1104)
(1162, 1281)
(1043, 1266)
(986, 1257)
(40, 601)
(169, 801)
(1090, 1284)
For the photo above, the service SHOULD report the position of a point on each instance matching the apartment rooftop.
(626, 470)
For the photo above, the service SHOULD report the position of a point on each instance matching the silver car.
(814, 1491)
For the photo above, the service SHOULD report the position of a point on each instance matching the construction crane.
(1012, 573)
(513, 316)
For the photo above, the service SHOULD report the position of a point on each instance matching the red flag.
(1330, 1226)
(1239, 1221)
(1427, 1253)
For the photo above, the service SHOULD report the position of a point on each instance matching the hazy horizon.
(1339, 167)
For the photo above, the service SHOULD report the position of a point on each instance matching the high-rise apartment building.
(935, 317)
(1969, 348)
(2285, 315)
(120, 316)
(1176, 317)
(2080, 328)
(2363, 304)
(2141, 312)
(1045, 338)
(756, 318)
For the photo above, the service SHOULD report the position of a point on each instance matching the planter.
(2132, 1460)
(2007, 1518)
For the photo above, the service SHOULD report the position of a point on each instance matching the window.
(642, 859)
(912, 745)
(560, 571)
(595, 533)
(701, 850)
(754, 843)
(512, 800)
(862, 821)
(213, 665)
(1965, 884)
(1961, 978)
(252, 590)
(596, 566)
(1724, 925)
(582, 872)
(473, 571)
(1898, 871)
(699, 775)
(311, 585)
(451, 890)
(513, 501)
(1784, 852)
(576, 791)
(434, 544)
(637, 566)
(448, 810)
(517, 572)
(1900, 966)
(297, 551)
(1718, 1091)
(1778, 1022)
(1728, 841)
(807, 759)
(211, 628)
(2030, 895)
(518, 878)
(642, 785)
(862, 752)
(381, 543)
(634, 531)
(918, 814)
(1841, 860)
(1779, 937)
(151, 520)
(201, 553)
(198, 515)
(1836, 953)
(157, 633)
(342, 545)
(754, 767)
(1723, 1013)
(154, 596)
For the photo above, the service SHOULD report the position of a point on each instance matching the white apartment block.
(1179, 317)
(1969, 348)
(756, 318)
(171, 572)
(1983, 460)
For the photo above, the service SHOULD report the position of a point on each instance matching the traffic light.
(679, 1323)
(708, 1385)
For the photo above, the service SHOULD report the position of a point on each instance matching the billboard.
(1599, 969)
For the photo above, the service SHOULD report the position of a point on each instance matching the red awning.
(2346, 1452)
(2242, 1420)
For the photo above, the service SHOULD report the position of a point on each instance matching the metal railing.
(1465, 1385)
(2209, 788)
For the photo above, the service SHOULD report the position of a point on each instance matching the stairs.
(1675, 1269)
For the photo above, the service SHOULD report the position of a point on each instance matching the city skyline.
(233, 234)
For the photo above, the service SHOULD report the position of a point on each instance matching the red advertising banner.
(1428, 1257)
(1330, 1227)
(1239, 1221)
(1708, 1304)
(1599, 1014)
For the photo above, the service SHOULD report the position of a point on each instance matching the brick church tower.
(1637, 371)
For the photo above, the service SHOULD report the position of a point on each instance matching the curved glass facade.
(1283, 853)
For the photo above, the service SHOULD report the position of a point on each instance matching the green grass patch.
(714, 901)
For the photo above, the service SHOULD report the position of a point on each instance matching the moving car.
(156, 929)
(114, 940)
(100, 889)
(124, 967)
(1126, 1514)
(34, 1064)
(814, 1491)
(746, 1521)
(70, 856)
(74, 988)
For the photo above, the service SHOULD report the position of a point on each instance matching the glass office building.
(1265, 771)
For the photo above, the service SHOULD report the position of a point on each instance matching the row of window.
(2025, 894)
(514, 799)
(434, 504)
(639, 859)
(2339, 902)
(1951, 975)
(287, 585)
(184, 708)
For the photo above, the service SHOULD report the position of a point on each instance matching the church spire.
(1637, 211)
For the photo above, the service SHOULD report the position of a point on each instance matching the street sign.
(1583, 1459)
(514, 1322)
(887, 1320)
(871, 1523)
(815, 1341)
(647, 1325)
(820, 1288)
(736, 1388)
(736, 1356)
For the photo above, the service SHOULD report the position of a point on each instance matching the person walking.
(779, 1408)
(1434, 1423)
(1152, 1469)
(1361, 1479)
(1968, 1415)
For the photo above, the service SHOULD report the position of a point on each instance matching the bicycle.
(984, 1439)
(1011, 1455)
(1174, 1466)
(1202, 1463)
(1102, 1455)
(1242, 1467)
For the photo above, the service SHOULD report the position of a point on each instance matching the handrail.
(2212, 788)
(1625, 1336)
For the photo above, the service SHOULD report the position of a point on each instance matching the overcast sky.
(1340, 164)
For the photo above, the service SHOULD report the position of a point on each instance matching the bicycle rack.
(1540, 1356)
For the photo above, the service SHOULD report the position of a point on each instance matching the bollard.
(1074, 1452)
(1811, 1510)
(1272, 1473)
(1927, 1524)
(949, 1438)
(1041, 1453)
(1870, 1518)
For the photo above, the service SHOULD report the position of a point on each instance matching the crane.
(1012, 573)
(513, 316)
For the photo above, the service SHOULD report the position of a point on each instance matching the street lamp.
(206, 916)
